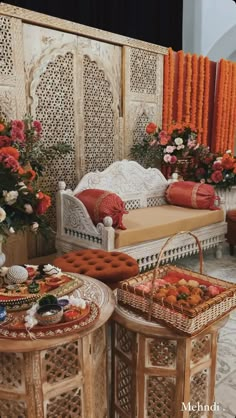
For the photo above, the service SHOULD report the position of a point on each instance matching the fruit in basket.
(170, 299)
(193, 283)
(182, 282)
(184, 289)
(213, 291)
(194, 300)
(197, 291)
(172, 292)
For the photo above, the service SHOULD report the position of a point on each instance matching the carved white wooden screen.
(143, 92)
(12, 83)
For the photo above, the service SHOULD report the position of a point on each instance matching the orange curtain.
(224, 121)
(200, 92)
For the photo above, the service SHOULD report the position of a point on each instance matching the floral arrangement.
(166, 146)
(217, 170)
(22, 160)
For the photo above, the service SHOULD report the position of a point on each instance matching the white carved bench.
(138, 188)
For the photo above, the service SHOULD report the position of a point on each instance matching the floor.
(226, 358)
(226, 364)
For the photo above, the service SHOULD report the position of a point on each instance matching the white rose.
(229, 151)
(28, 208)
(2, 214)
(10, 197)
(34, 227)
(178, 141)
(11, 230)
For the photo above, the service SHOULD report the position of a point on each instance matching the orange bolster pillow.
(100, 203)
(191, 195)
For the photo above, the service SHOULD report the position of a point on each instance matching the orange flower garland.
(206, 101)
(188, 87)
(227, 142)
(232, 123)
(194, 88)
(180, 55)
(219, 106)
(200, 96)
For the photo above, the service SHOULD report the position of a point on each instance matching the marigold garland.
(232, 123)
(188, 87)
(206, 101)
(228, 104)
(180, 55)
(200, 96)
(194, 88)
(219, 105)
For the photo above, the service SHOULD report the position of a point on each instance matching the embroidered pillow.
(101, 203)
(192, 195)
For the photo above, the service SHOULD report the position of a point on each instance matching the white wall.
(209, 28)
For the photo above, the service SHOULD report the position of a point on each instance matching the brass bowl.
(49, 314)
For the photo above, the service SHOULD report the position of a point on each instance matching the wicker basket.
(185, 320)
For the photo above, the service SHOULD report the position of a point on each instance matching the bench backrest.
(138, 187)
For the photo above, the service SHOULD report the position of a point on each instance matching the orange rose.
(21, 170)
(2, 127)
(227, 162)
(13, 152)
(44, 203)
(151, 128)
(32, 174)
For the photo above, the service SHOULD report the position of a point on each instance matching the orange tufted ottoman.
(109, 267)
(231, 233)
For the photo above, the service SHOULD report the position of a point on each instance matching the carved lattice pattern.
(139, 132)
(6, 51)
(162, 353)
(143, 71)
(160, 395)
(132, 204)
(55, 109)
(66, 405)
(61, 362)
(124, 340)
(12, 409)
(98, 118)
(100, 387)
(200, 348)
(124, 385)
(155, 201)
(11, 375)
(199, 390)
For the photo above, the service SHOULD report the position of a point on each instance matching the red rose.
(217, 176)
(44, 203)
(217, 166)
(151, 128)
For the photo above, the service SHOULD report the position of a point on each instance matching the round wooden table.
(155, 370)
(59, 377)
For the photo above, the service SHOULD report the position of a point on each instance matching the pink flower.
(180, 147)
(173, 159)
(10, 162)
(153, 142)
(191, 143)
(167, 158)
(170, 149)
(37, 125)
(217, 166)
(164, 137)
(5, 141)
(18, 124)
(17, 134)
(217, 176)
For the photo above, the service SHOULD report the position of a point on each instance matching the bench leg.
(219, 251)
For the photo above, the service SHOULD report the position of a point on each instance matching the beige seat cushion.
(159, 222)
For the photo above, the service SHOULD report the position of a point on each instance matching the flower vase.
(2, 255)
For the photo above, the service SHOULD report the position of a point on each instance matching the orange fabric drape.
(198, 91)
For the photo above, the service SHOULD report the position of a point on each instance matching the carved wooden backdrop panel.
(12, 83)
(143, 92)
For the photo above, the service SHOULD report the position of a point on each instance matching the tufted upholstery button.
(109, 267)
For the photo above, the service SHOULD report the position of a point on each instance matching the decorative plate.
(17, 297)
(16, 329)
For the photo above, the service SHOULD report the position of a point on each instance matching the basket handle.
(163, 249)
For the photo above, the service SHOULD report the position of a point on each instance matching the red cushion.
(109, 267)
(191, 195)
(100, 203)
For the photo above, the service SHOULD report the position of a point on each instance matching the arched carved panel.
(6, 50)
(53, 92)
(99, 139)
